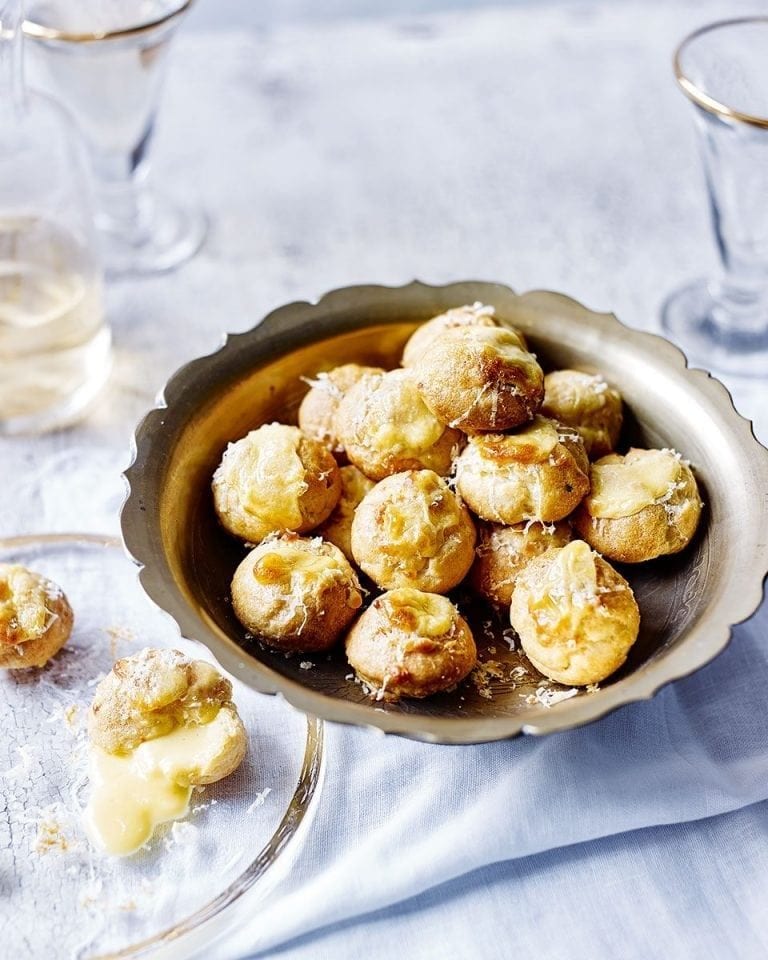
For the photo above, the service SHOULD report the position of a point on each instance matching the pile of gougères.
(465, 464)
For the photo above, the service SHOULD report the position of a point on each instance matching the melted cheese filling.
(271, 477)
(428, 614)
(281, 565)
(568, 593)
(133, 793)
(624, 488)
(23, 603)
(534, 442)
(402, 421)
(420, 520)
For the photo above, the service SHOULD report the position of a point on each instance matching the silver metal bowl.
(688, 602)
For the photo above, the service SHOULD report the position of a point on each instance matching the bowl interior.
(262, 383)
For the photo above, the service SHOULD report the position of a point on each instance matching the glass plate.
(194, 879)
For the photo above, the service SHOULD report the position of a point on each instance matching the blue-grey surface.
(543, 145)
(223, 14)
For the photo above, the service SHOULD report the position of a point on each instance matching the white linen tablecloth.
(543, 145)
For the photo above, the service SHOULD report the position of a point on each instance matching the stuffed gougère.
(160, 725)
(466, 467)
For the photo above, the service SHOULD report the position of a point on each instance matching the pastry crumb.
(50, 836)
(72, 716)
(19, 769)
(509, 636)
(484, 674)
(90, 895)
(116, 634)
(259, 799)
(548, 697)
(182, 832)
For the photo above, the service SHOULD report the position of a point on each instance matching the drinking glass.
(105, 60)
(722, 322)
(54, 343)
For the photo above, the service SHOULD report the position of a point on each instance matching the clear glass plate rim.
(300, 805)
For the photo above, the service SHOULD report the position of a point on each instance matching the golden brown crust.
(35, 618)
(665, 524)
(587, 403)
(502, 552)
(156, 691)
(411, 530)
(411, 644)
(275, 480)
(323, 482)
(318, 408)
(540, 472)
(337, 529)
(296, 594)
(471, 315)
(576, 617)
(385, 427)
(480, 379)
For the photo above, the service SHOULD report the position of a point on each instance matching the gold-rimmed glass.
(722, 321)
(106, 62)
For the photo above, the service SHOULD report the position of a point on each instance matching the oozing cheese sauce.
(133, 793)
(624, 488)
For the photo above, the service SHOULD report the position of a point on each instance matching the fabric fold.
(397, 817)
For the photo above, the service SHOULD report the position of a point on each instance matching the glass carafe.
(54, 343)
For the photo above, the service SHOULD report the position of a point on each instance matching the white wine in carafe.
(54, 343)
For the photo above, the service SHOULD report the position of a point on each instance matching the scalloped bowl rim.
(580, 711)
